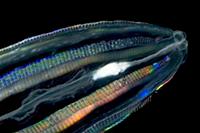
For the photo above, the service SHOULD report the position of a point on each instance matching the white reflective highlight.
(111, 69)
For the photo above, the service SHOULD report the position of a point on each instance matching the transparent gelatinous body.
(85, 78)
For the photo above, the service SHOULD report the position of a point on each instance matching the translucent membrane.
(85, 78)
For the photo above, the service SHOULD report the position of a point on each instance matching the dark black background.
(174, 107)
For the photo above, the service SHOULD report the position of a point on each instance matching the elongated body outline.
(178, 43)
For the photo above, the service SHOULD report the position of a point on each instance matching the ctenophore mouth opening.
(180, 39)
(179, 35)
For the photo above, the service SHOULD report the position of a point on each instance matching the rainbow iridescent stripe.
(71, 114)
(63, 57)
